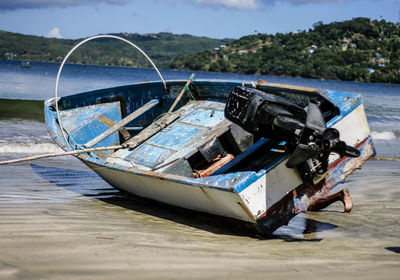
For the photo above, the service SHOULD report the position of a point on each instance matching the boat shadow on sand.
(89, 184)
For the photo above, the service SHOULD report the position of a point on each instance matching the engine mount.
(308, 140)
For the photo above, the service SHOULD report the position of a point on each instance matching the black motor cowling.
(308, 141)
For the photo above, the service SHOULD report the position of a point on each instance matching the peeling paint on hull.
(298, 200)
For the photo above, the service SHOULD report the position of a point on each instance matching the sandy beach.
(58, 220)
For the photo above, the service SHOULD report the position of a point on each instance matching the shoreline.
(201, 71)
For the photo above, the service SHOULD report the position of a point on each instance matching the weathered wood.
(151, 130)
(123, 122)
(110, 123)
(181, 94)
(145, 134)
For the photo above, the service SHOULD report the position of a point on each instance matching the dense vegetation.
(161, 47)
(356, 50)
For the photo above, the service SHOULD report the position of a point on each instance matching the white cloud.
(261, 4)
(54, 33)
(11, 5)
(305, 2)
(231, 4)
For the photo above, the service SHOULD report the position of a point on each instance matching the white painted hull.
(177, 193)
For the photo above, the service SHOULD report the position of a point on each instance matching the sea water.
(22, 134)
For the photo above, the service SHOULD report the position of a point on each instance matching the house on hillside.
(311, 49)
(382, 62)
(10, 55)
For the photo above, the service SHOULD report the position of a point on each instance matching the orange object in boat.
(219, 162)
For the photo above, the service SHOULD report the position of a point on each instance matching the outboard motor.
(308, 141)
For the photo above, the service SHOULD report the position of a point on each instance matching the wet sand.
(58, 220)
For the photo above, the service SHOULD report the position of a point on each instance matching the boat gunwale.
(177, 82)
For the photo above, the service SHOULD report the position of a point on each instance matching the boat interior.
(194, 140)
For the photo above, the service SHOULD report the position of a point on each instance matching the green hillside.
(161, 47)
(356, 50)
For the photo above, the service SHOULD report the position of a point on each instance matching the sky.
(74, 19)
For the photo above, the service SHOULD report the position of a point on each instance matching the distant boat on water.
(26, 64)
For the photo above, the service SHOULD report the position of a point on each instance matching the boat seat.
(174, 137)
(120, 125)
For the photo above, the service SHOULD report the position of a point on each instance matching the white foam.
(29, 148)
(383, 135)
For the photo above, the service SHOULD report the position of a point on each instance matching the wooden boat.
(258, 153)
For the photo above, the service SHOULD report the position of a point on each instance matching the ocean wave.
(384, 118)
(383, 135)
(29, 148)
(386, 158)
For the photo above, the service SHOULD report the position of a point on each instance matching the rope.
(185, 88)
(62, 154)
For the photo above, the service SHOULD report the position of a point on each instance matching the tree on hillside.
(345, 50)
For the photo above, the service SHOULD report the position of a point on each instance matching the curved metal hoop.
(77, 46)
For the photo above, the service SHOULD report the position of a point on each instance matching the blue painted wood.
(346, 102)
(208, 118)
(180, 139)
(84, 124)
(176, 136)
(148, 155)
